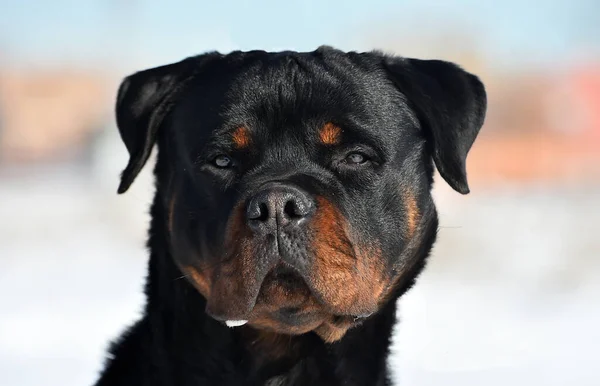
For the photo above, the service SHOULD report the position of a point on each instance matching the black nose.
(277, 206)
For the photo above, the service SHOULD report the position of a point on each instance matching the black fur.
(402, 114)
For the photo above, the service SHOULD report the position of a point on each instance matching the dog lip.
(232, 318)
(235, 323)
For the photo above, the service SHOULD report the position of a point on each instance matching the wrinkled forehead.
(292, 96)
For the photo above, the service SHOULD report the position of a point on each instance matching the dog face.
(296, 186)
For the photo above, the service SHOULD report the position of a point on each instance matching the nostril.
(258, 211)
(296, 209)
(290, 209)
(263, 212)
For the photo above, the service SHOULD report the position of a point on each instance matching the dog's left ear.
(450, 104)
(143, 101)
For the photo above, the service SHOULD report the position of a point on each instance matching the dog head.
(296, 186)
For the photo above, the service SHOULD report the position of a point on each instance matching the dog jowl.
(294, 188)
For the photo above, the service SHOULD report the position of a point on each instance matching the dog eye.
(222, 161)
(356, 158)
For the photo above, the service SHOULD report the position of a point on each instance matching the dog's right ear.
(144, 100)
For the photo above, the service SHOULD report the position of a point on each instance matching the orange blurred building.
(542, 126)
(47, 115)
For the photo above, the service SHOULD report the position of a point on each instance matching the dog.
(293, 208)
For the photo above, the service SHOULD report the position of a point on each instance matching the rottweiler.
(293, 207)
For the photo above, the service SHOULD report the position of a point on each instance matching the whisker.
(181, 277)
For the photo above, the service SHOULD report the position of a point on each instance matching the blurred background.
(511, 294)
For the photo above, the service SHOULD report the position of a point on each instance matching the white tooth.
(235, 323)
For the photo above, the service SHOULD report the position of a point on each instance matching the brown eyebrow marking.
(241, 137)
(330, 134)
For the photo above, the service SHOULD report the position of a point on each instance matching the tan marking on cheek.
(234, 280)
(350, 279)
(330, 134)
(334, 261)
(409, 256)
(412, 212)
(241, 137)
(221, 283)
(375, 275)
(198, 279)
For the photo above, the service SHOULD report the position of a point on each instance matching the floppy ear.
(450, 104)
(143, 101)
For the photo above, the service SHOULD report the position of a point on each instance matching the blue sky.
(126, 33)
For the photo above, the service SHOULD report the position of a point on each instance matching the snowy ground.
(511, 295)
